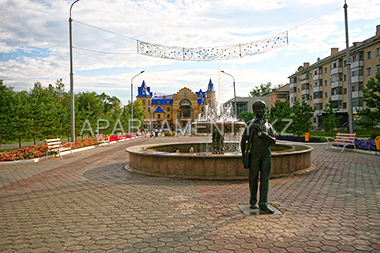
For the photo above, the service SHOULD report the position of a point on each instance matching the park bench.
(341, 139)
(55, 146)
(102, 140)
(121, 137)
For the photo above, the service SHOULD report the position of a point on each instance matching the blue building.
(178, 108)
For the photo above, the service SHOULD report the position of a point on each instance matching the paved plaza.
(90, 203)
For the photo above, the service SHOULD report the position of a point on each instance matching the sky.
(34, 41)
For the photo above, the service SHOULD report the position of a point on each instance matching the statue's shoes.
(253, 207)
(266, 210)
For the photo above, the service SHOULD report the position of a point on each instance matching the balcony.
(356, 64)
(293, 85)
(318, 112)
(357, 108)
(317, 77)
(336, 84)
(356, 94)
(281, 99)
(318, 88)
(356, 79)
(306, 92)
(305, 76)
(336, 97)
(306, 81)
(317, 100)
(336, 70)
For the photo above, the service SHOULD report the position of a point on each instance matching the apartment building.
(327, 78)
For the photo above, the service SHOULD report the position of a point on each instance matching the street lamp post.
(348, 64)
(72, 78)
(132, 102)
(234, 92)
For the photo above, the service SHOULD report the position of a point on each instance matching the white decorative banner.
(212, 53)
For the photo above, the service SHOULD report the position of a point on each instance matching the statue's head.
(258, 107)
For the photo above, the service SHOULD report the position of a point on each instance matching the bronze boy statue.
(257, 137)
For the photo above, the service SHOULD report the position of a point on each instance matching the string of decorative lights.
(204, 53)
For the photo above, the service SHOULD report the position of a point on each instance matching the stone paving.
(89, 203)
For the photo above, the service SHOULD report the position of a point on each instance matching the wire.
(315, 18)
(105, 30)
(101, 52)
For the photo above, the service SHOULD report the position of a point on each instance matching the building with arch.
(175, 110)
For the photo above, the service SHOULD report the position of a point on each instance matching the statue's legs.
(264, 167)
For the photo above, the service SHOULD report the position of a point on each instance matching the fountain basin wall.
(162, 160)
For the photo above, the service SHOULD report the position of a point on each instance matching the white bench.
(102, 140)
(55, 146)
(341, 139)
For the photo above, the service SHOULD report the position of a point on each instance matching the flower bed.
(296, 138)
(38, 151)
(169, 133)
(364, 144)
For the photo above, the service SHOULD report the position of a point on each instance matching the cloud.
(29, 27)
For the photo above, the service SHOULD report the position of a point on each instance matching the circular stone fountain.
(212, 161)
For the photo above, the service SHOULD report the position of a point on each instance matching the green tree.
(20, 116)
(371, 96)
(246, 116)
(302, 115)
(6, 98)
(330, 120)
(263, 89)
(280, 115)
(88, 107)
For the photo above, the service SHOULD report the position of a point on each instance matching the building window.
(168, 109)
(325, 82)
(354, 58)
(344, 63)
(345, 78)
(158, 102)
(148, 109)
(368, 71)
(378, 51)
(368, 55)
(325, 94)
(202, 109)
(311, 97)
(148, 102)
(325, 70)
(159, 116)
(168, 116)
(344, 105)
(168, 102)
(378, 68)
(143, 102)
(298, 90)
(344, 91)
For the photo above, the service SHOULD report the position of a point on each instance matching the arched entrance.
(185, 112)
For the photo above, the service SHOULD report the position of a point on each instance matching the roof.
(210, 87)
(159, 110)
(144, 91)
(285, 89)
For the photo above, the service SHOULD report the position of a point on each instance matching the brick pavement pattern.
(89, 203)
